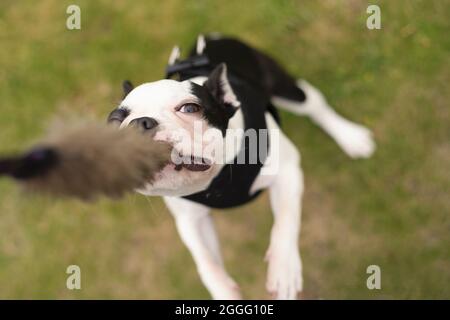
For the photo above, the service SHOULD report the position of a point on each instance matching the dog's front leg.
(284, 278)
(196, 229)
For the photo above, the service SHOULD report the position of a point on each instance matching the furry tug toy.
(86, 160)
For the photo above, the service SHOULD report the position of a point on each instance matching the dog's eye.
(189, 108)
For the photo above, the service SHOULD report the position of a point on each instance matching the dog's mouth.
(192, 163)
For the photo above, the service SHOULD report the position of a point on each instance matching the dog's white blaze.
(156, 99)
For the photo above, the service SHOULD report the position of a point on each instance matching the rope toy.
(87, 160)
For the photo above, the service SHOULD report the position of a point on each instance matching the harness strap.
(187, 65)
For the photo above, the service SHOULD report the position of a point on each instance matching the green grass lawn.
(391, 210)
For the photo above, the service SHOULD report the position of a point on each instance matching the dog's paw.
(220, 285)
(356, 140)
(227, 291)
(284, 275)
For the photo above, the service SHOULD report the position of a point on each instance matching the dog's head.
(192, 117)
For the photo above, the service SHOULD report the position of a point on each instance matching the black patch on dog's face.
(212, 96)
(213, 112)
(118, 115)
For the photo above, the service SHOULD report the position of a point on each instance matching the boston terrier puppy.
(217, 109)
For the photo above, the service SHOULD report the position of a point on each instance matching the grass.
(392, 210)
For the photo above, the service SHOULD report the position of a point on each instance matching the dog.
(225, 86)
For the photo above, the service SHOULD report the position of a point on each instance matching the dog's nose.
(144, 123)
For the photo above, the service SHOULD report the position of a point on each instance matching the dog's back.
(253, 66)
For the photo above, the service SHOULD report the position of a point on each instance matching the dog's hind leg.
(196, 229)
(303, 99)
(265, 73)
(355, 139)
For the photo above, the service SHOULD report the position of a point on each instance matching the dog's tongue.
(196, 166)
(193, 163)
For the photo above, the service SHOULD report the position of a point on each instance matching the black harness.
(231, 187)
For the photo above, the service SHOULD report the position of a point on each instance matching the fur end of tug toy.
(87, 160)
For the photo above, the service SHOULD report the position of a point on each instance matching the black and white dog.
(222, 91)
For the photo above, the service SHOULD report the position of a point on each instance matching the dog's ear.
(127, 86)
(174, 55)
(219, 87)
